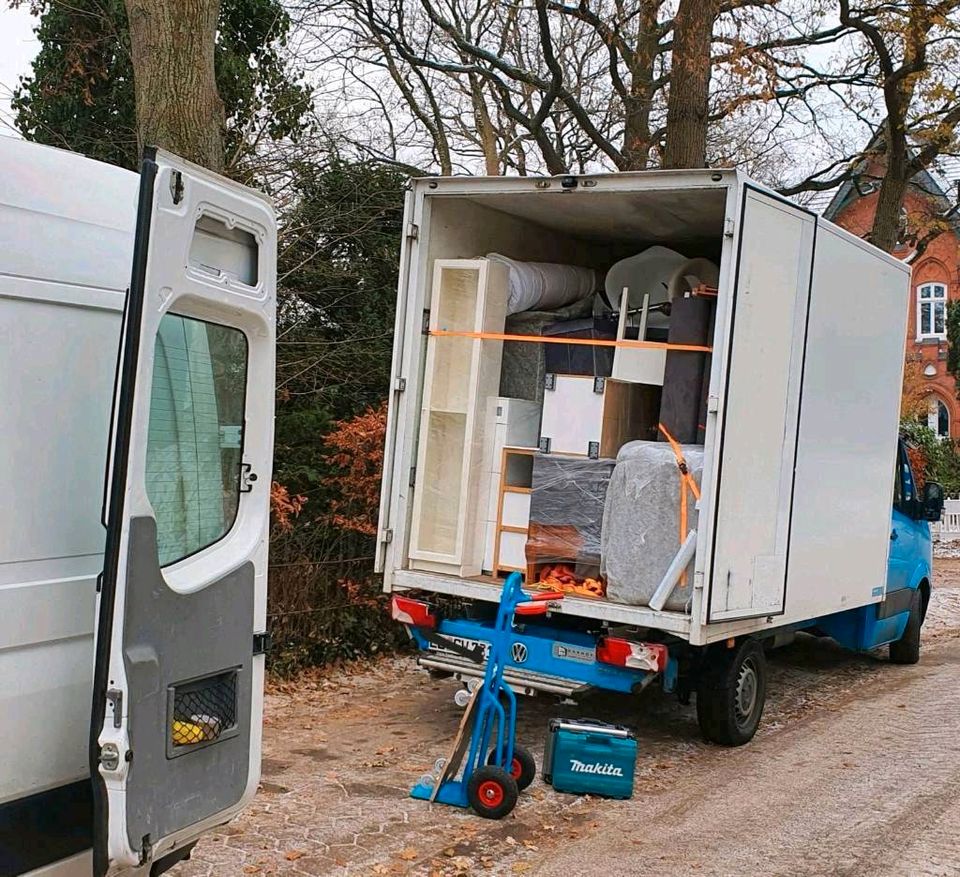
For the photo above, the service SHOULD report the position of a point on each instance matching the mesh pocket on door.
(202, 711)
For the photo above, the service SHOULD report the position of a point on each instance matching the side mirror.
(932, 505)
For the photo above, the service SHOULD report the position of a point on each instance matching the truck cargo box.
(791, 396)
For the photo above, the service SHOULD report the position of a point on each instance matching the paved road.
(855, 771)
(868, 785)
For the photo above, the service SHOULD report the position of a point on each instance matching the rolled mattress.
(640, 534)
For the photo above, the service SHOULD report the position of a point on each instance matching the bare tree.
(178, 106)
(545, 85)
(894, 79)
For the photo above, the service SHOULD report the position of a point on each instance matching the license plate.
(475, 646)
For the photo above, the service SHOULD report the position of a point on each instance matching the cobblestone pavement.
(855, 771)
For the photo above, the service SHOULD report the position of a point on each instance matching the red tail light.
(636, 656)
(414, 612)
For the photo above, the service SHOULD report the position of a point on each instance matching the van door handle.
(894, 535)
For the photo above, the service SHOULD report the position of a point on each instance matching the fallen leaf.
(408, 854)
(293, 855)
(520, 867)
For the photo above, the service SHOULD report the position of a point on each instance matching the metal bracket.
(115, 699)
(550, 381)
(598, 385)
(413, 231)
(176, 186)
(413, 476)
(400, 385)
(544, 444)
(262, 643)
(387, 536)
(425, 326)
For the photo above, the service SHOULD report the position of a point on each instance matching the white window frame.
(925, 295)
(933, 417)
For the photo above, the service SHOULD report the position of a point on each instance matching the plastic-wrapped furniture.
(641, 522)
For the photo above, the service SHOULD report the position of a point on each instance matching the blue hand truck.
(492, 778)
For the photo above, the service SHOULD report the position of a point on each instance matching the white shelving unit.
(462, 374)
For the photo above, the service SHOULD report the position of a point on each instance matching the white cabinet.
(461, 375)
(514, 424)
(595, 417)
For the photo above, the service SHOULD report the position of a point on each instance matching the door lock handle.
(894, 535)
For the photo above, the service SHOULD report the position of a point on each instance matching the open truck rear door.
(760, 415)
(178, 684)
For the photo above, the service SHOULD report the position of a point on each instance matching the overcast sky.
(17, 48)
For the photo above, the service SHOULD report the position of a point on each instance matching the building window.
(931, 311)
(938, 418)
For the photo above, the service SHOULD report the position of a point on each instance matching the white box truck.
(801, 512)
(133, 546)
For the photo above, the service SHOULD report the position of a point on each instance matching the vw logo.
(519, 653)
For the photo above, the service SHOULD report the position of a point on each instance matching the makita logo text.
(607, 770)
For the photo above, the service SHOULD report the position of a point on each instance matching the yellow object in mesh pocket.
(185, 733)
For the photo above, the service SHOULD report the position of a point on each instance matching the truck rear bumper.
(542, 659)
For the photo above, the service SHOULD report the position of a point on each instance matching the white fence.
(947, 529)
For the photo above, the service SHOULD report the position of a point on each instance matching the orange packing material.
(561, 577)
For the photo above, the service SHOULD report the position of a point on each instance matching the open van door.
(178, 682)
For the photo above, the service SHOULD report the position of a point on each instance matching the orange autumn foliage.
(357, 455)
(283, 507)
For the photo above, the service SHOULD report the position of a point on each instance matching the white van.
(133, 545)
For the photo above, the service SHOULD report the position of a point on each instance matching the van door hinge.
(400, 384)
(728, 228)
(413, 475)
(387, 536)
(413, 231)
(425, 326)
(262, 643)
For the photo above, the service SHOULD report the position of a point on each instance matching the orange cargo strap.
(588, 342)
(686, 481)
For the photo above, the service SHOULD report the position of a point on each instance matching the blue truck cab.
(570, 657)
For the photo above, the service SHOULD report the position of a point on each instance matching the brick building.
(935, 279)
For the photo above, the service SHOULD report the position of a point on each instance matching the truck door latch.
(247, 478)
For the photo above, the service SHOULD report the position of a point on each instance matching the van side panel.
(66, 226)
(57, 362)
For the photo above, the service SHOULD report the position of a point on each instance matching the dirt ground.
(855, 770)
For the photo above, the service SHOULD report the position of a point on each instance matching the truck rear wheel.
(731, 691)
(906, 650)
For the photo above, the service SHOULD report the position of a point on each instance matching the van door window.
(195, 439)
(904, 491)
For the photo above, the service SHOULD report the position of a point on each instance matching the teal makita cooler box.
(586, 757)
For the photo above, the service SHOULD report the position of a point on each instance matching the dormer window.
(931, 311)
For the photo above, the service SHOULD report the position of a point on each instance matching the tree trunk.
(178, 106)
(636, 129)
(886, 220)
(488, 137)
(687, 103)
